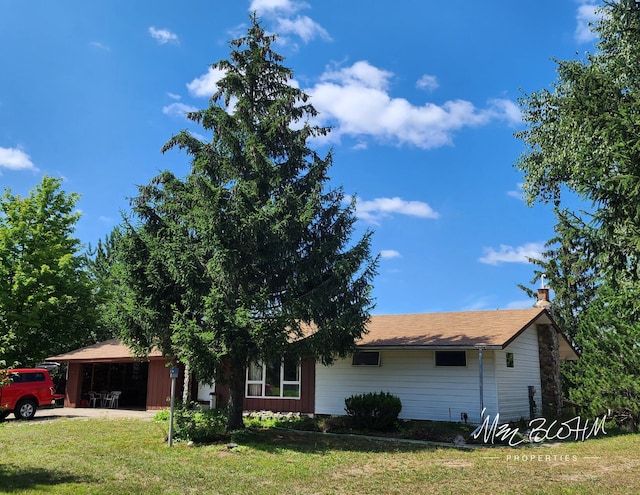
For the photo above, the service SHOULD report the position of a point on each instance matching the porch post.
(480, 348)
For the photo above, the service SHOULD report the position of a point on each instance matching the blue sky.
(422, 98)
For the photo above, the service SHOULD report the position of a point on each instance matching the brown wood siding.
(159, 385)
(74, 383)
(306, 402)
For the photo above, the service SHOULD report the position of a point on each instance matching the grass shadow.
(14, 478)
(277, 440)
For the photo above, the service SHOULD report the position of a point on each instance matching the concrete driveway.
(88, 412)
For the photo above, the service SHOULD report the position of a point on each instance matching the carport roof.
(108, 351)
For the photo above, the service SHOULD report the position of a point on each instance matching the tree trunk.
(237, 376)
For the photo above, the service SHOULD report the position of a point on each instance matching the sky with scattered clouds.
(422, 99)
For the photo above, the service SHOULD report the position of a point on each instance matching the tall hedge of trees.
(583, 141)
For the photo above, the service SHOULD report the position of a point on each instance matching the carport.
(111, 365)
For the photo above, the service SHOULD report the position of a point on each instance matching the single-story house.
(443, 366)
(451, 366)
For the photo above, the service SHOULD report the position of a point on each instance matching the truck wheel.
(25, 409)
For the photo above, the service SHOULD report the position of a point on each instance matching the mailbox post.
(173, 373)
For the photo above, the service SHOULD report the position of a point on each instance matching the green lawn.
(130, 456)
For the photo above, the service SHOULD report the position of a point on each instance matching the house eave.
(411, 347)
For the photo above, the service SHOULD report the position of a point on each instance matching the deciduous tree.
(46, 292)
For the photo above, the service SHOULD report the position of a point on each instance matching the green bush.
(375, 411)
(162, 415)
(193, 423)
(269, 419)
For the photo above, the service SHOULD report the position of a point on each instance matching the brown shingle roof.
(109, 350)
(466, 329)
(463, 330)
(460, 329)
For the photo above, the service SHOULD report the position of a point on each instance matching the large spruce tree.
(583, 140)
(249, 256)
(606, 377)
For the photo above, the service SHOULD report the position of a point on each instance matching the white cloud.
(481, 303)
(207, 84)
(586, 14)
(178, 109)
(518, 193)
(506, 110)
(522, 304)
(374, 210)
(509, 254)
(355, 101)
(281, 12)
(360, 145)
(15, 159)
(101, 46)
(389, 253)
(477, 303)
(427, 82)
(360, 74)
(267, 6)
(163, 36)
(173, 96)
(302, 26)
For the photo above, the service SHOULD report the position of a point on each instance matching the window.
(509, 359)
(366, 359)
(451, 358)
(277, 378)
(24, 377)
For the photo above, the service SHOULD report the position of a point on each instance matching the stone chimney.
(543, 298)
(549, 356)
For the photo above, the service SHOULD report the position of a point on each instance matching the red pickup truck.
(28, 389)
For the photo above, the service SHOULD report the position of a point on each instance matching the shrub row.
(375, 411)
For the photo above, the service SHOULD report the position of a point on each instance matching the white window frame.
(510, 359)
(283, 382)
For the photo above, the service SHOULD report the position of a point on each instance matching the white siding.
(426, 391)
(513, 401)
(204, 391)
